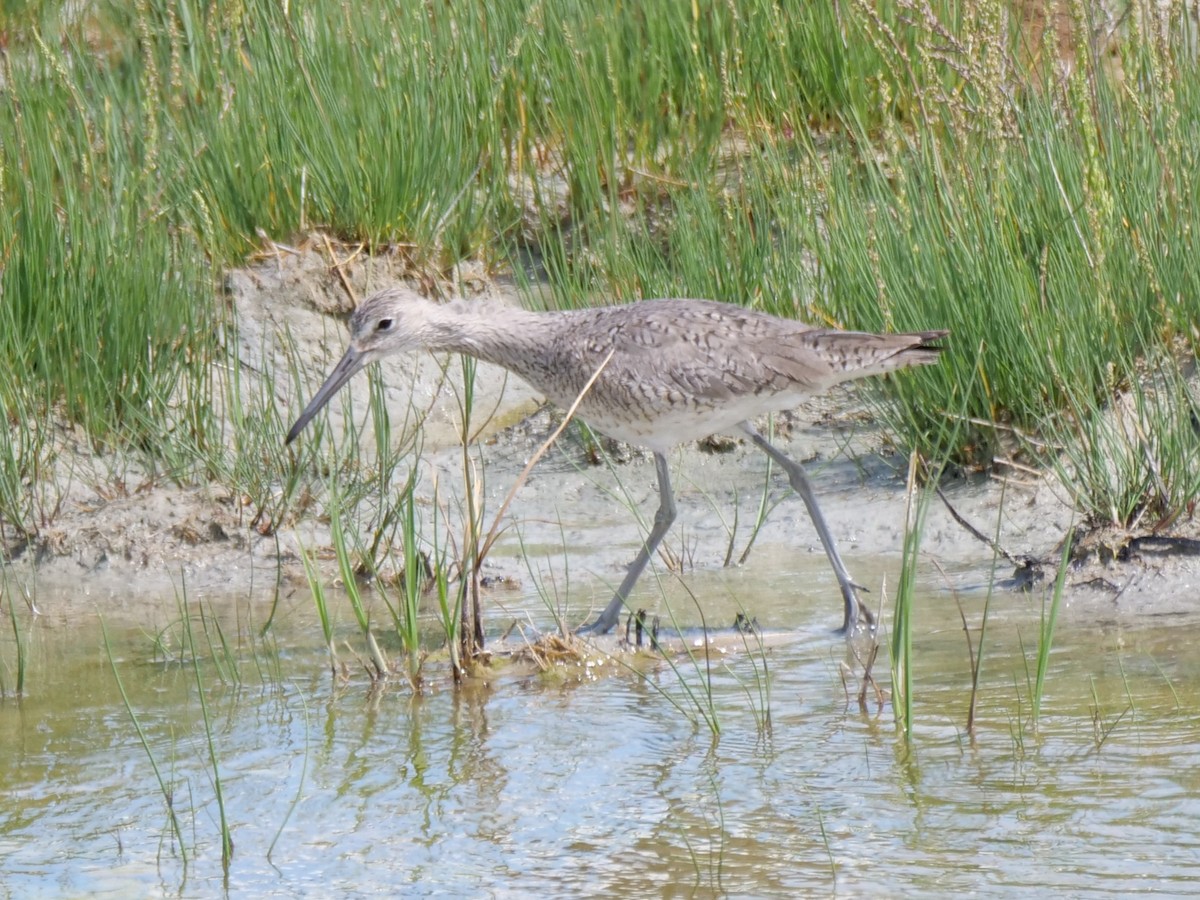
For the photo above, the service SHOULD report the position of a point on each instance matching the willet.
(670, 371)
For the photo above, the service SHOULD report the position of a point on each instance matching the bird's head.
(390, 321)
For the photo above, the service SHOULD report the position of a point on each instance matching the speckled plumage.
(680, 370)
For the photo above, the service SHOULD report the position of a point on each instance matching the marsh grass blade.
(202, 696)
(760, 697)
(448, 602)
(412, 582)
(168, 793)
(19, 646)
(379, 668)
(977, 654)
(317, 587)
(698, 691)
(917, 503)
(1048, 621)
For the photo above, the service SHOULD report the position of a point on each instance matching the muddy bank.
(115, 542)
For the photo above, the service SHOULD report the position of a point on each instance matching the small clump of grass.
(762, 510)
(1132, 465)
(758, 687)
(220, 652)
(449, 602)
(472, 544)
(1103, 726)
(699, 692)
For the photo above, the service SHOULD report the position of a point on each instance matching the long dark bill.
(351, 363)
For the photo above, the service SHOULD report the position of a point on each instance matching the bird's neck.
(493, 332)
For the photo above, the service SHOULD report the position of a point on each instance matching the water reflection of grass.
(824, 791)
(849, 164)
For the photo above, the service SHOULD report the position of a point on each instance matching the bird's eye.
(384, 325)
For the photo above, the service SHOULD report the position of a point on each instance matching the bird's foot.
(859, 618)
(594, 629)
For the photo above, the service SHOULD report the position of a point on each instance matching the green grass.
(324, 612)
(1049, 618)
(100, 322)
(903, 610)
(376, 662)
(976, 652)
(19, 665)
(166, 789)
(202, 696)
(412, 582)
(839, 162)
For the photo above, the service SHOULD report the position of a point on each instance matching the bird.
(663, 372)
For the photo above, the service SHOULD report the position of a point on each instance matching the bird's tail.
(858, 355)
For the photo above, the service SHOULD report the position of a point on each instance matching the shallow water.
(599, 784)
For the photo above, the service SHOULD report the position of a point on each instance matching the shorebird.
(670, 371)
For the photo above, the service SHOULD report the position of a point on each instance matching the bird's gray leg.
(662, 523)
(855, 609)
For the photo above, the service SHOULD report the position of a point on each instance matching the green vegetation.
(1046, 632)
(201, 695)
(376, 662)
(902, 165)
(165, 787)
(902, 616)
(20, 648)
